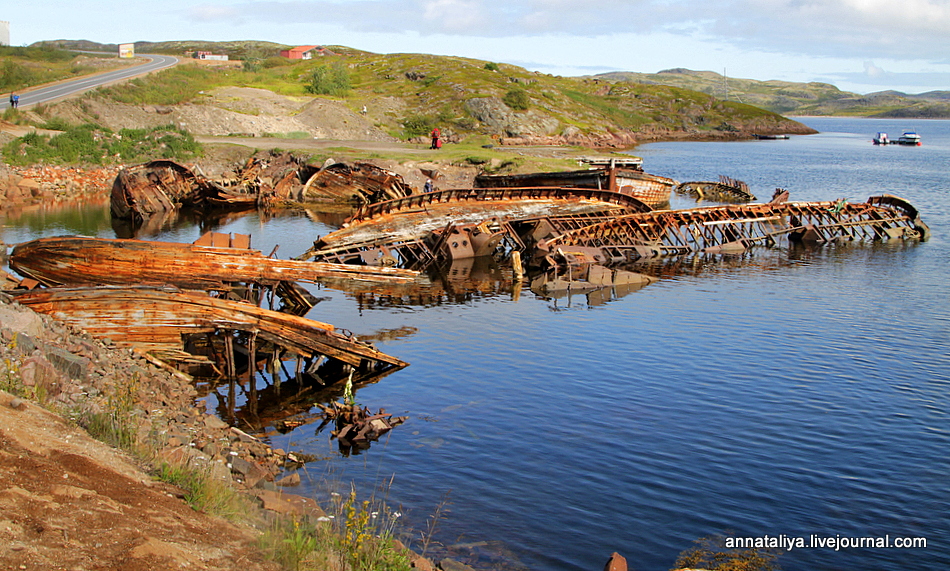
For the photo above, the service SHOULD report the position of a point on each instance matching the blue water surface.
(779, 392)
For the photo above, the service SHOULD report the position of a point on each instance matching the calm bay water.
(782, 391)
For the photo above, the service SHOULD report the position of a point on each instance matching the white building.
(4, 33)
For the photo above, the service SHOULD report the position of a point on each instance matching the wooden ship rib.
(158, 320)
(357, 183)
(734, 228)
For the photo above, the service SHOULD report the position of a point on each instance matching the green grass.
(89, 144)
(422, 92)
(203, 492)
(434, 89)
(356, 534)
(25, 67)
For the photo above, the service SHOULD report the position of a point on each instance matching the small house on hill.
(211, 56)
(305, 52)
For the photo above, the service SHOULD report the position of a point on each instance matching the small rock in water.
(616, 562)
(290, 480)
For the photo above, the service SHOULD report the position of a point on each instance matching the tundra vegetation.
(464, 97)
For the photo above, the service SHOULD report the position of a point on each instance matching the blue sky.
(857, 45)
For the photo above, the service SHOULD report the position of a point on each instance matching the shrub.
(517, 99)
(276, 61)
(419, 125)
(331, 79)
(252, 65)
(491, 66)
(13, 75)
(56, 124)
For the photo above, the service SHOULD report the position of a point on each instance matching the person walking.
(16, 101)
(12, 96)
(436, 139)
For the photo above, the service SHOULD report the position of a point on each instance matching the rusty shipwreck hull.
(214, 262)
(735, 228)
(400, 232)
(156, 320)
(357, 183)
(653, 190)
(160, 186)
(144, 190)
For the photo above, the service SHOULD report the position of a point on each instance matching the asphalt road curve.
(66, 88)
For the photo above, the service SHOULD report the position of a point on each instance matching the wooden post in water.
(252, 369)
(232, 374)
(516, 265)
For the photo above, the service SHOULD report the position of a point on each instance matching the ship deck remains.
(395, 232)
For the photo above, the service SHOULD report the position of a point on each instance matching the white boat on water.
(909, 138)
(881, 139)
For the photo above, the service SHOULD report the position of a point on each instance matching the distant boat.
(881, 139)
(769, 137)
(909, 138)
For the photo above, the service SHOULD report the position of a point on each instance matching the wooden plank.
(241, 241)
(79, 260)
(219, 240)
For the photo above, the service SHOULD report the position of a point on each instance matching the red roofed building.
(305, 52)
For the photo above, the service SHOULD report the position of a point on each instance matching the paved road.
(71, 87)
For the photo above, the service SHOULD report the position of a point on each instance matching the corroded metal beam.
(738, 227)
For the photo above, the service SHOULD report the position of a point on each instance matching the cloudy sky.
(857, 45)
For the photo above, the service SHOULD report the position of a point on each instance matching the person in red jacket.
(436, 139)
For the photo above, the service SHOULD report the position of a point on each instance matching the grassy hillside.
(464, 97)
(25, 67)
(790, 98)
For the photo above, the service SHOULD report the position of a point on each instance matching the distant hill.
(789, 98)
(467, 97)
(238, 50)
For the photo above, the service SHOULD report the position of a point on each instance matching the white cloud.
(872, 70)
(793, 40)
(213, 13)
(454, 16)
(857, 28)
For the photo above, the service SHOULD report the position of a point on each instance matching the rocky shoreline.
(26, 186)
(73, 371)
(69, 371)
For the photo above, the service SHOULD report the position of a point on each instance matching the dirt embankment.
(68, 501)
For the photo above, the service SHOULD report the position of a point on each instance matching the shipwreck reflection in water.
(467, 280)
(163, 222)
(276, 396)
